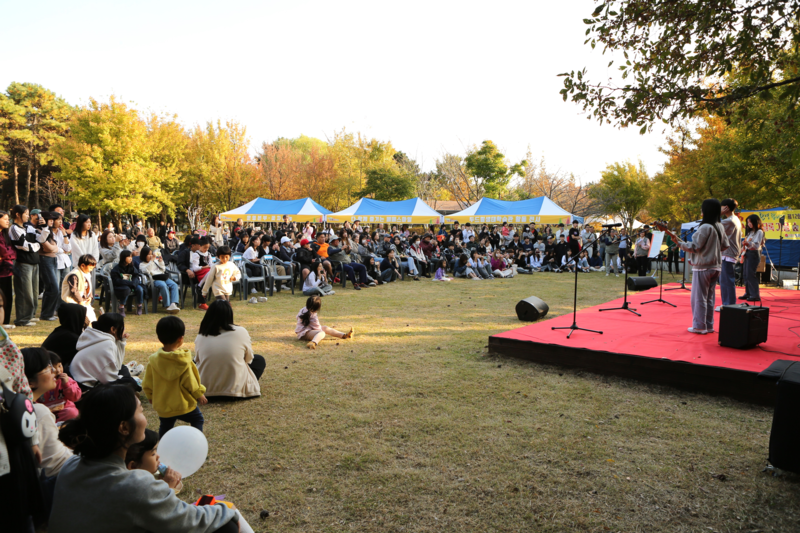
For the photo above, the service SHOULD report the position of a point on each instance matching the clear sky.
(429, 76)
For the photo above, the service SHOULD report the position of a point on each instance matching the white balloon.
(184, 449)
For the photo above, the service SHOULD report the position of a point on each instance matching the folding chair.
(273, 276)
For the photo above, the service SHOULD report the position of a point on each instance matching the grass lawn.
(412, 427)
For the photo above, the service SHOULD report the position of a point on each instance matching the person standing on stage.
(733, 230)
(753, 242)
(706, 248)
(640, 252)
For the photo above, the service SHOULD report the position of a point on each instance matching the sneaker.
(51, 319)
(616, 275)
(134, 368)
(9, 326)
(34, 320)
(717, 308)
(173, 307)
(262, 299)
(711, 331)
(371, 284)
(698, 331)
(253, 291)
(356, 287)
(121, 310)
(203, 307)
(606, 274)
(41, 296)
(139, 310)
(28, 324)
(253, 300)
(172, 310)
(285, 288)
(476, 279)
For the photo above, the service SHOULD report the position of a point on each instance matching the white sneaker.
(717, 308)
(253, 291)
(698, 331)
(262, 299)
(285, 288)
(34, 320)
(476, 279)
(253, 300)
(606, 274)
(173, 309)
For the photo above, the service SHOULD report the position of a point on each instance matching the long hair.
(79, 226)
(5, 231)
(756, 220)
(104, 239)
(94, 434)
(712, 210)
(218, 318)
(313, 305)
(106, 321)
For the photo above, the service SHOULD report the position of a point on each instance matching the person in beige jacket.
(224, 355)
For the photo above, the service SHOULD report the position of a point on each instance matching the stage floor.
(656, 346)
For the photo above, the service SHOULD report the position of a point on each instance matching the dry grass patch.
(412, 427)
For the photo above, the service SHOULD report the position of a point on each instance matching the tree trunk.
(36, 182)
(16, 180)
(99, 222)
(28, 187)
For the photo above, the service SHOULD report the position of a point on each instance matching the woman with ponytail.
(110, 421)
(706, 248)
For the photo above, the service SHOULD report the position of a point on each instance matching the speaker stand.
(574, 325)
(625, 303)
(660, 288)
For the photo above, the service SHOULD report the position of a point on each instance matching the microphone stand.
(574, 325)
(625, 303)
(660, 286)
(683, 277)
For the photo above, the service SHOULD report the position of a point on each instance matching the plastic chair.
(248, 280)
(273, 276)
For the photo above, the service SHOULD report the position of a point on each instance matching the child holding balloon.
(144, 456)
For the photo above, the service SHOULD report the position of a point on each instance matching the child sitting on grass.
(308, 326)
(143, 456)
(171, 380)
(221, 276)
(61, 400)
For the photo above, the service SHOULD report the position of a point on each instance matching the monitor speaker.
(784, 439)
(642, 284)
(531, 309)
(742, 326)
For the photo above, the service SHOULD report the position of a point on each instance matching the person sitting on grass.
(101, 352)
(583, 263)
(111, 421)
(316, 283)
(64, 338)
(168, 289)
(171, 380)
(42, 379)
(125, 280)
(62, 397)
(461, 269)
(221, 276)
(143, 456)
(499, 266)
(567, 264)
(77, 287)
(229, 369)
(308, 327)
(479, 265)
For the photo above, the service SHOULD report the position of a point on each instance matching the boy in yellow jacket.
(171, 380)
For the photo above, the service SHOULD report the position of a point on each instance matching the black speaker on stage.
(642, 284)
(742, 326)
(531, 309)
(784, 438)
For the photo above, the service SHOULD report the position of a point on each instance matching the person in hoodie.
(64, 338)
(171, 380)
(101, 351)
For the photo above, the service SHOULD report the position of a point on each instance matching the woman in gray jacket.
(706, 248)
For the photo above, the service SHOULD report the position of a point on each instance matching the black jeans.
(48, 271)
(194, 417)
(642, 262)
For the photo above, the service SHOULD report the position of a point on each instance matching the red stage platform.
(656, 346)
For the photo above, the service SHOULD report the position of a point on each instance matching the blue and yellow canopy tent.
(264, 210)
(541, 210)
(368, 211)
